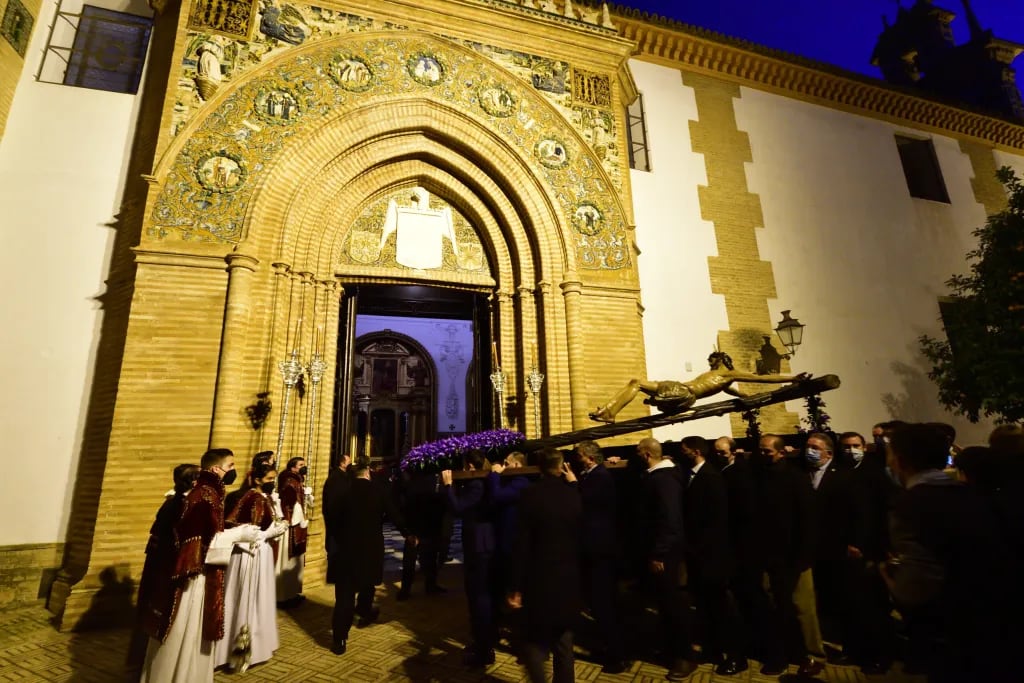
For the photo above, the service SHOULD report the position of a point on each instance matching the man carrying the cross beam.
(670, 396)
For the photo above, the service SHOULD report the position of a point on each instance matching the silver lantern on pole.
(291, 370)
(534, 382)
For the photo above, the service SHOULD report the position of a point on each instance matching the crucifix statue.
(674, 397)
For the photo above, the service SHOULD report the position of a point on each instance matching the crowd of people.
(218, 566)
(838, 549)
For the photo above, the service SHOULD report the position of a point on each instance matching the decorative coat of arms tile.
(221, 172)
(588, 219)
(552, 153)
(496, 100)
(425, 69)
(351, 73)
(17, 26)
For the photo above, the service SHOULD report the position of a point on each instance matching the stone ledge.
(27, 571)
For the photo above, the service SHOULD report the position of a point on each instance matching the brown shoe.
(680, 669)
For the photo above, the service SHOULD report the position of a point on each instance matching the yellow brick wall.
(744, 280)
(26, 571)
(161, 418)
(11, 63)
(614, 352)
(987, 189)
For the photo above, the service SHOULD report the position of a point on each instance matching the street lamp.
(790, 331)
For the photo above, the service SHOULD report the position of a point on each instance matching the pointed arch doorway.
(412, 366)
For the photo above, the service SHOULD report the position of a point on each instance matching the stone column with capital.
(507, 359)
(228, 417)
(572, 294)
(532, 350)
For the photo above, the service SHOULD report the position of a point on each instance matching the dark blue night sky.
(838, 32)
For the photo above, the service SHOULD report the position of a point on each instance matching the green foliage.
(753, 419)
(979, 367)
(817, 420)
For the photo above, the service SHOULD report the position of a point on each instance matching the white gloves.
(274, 530)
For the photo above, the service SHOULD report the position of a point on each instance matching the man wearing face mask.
(708, 557)
(870, 637)
(292, 558)
(837, 512)
(784, 537)
(185, 655)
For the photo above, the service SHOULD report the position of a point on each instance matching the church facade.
(618, 195)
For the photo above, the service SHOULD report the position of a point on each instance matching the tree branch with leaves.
(979, 366)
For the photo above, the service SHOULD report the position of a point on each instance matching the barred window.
(98, 48)
(636, 128)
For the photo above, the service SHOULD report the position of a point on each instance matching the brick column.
(572, 293)
(226, 399)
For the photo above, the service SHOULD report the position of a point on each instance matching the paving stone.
(416, 641)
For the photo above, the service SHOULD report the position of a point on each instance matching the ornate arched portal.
(273, 175)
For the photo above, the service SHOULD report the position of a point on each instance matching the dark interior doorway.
(351, 424)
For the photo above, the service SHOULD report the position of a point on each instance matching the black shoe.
(368, 618)
(614, 667)
(810, 668)
(434, 589)
(837, 656)
(403, 595)
(731, 667)
(476, 660)
(339, 647)
(878, 668)
(773, 668)
(680, 669)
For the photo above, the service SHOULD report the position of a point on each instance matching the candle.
(533, 357)
(494, 355)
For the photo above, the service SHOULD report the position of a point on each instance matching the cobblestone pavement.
(417, 640)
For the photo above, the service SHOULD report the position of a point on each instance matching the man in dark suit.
(336, 487)
(504, 493)
(745, 581)
(478, 546)
(838, 514)
(871, 636)
(358, 565)
(708, 560)
(784, 535)
(663, 545)
(423, 508)
(545, 578)
(949, 576)
(599, 543)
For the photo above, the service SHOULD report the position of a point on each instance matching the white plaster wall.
(62, 161)
(858, 260)
(681, 315)
(450, 345)
(1014, 161)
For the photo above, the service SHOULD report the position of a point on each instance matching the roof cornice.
(677, 45)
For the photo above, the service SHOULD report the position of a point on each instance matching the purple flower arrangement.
(446, 453)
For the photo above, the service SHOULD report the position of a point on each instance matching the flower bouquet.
(447, 453)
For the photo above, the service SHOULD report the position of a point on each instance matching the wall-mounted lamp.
(790, 331)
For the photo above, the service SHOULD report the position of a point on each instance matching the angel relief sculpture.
(282, 23)
(675, 397)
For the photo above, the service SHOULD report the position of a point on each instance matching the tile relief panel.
(207, 189)
(412, 229)
(216, 54)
